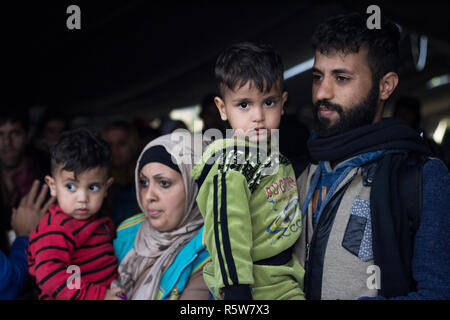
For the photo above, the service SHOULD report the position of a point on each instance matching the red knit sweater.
(60, 241)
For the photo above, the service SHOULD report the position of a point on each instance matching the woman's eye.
(94, 187)
(143, 183)
(71, 187)
(243, 105)
(164, 183)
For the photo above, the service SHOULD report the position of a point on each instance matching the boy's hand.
(30, 210)
(113, 294)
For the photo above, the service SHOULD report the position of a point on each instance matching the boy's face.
(82, 197)
(252, 112)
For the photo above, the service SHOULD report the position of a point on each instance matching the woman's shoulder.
(126, 234)
(132, 222)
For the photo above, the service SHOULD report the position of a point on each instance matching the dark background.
(144, 58)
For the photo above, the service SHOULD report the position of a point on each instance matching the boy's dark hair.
(347, 33)
(246, 61)
(79, 150)
(15, 115)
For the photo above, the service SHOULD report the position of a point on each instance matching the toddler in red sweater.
(71, 252)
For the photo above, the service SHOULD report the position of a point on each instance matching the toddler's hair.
(246, 61)
(80, 150)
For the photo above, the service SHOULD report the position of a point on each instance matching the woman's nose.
(150, 194)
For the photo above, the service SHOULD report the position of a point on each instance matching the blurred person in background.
(408, 109)
(51, 125)
(20, 165)
(121, 202)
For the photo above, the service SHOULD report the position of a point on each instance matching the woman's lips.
(153, 213)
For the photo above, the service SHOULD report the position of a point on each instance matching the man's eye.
(71, 187)
(316, 77)
(342, 78)
(94, 187)
(243, 105)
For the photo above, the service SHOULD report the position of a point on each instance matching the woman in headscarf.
(161, 251)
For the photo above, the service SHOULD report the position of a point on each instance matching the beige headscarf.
(154, 251)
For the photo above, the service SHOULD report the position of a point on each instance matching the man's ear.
(220, 104)
(387, 85)
(51, 184)
(109, 182)
(284, 98)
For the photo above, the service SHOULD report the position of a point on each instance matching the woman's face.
(162, 195)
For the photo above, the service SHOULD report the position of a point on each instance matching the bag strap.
(411, 191)
(410, 187)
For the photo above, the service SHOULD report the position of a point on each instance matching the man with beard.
(375, 205)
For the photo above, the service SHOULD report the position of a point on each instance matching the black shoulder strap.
(410, 187)
(411, 191)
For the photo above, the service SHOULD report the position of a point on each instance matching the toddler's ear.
(221, 106)
(109, 182)
(51, 184)
(284, 98)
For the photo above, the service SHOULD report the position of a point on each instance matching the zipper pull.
(308, 246)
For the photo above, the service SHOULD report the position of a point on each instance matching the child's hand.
(113, 294)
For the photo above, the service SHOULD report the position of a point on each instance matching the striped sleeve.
(51, 249)
(232, 231)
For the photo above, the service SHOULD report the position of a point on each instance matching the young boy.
(248, 193)
(71, 252)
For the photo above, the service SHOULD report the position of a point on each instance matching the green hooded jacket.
(249, 201)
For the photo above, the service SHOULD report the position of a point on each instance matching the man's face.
(13, 141)
(344, 97)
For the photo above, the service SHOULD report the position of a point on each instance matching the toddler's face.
(79, 197)
(251, 112)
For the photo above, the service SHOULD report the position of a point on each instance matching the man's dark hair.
(15, 115)
(246, 61)
(347, 33)
(79, 150)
